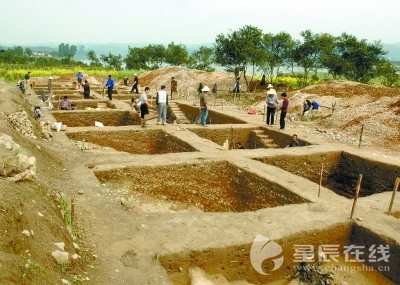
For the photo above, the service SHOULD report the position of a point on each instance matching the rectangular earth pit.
(127, 96)
(92, 104)
(341, 171)
(193, 114)
(209, 186)
(103, 91)
(85, 118)
(250, 138)
(241, 263)
(134, 141)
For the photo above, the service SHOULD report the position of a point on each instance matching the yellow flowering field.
(16, 74)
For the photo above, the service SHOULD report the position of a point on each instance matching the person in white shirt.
(136, 105)
(162, 102)
(144, 106)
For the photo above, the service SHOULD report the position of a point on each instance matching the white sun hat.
(205, 88)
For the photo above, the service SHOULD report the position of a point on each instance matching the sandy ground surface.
(138, 238)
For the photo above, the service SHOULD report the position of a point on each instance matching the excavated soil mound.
(375, 108)
(188, 79)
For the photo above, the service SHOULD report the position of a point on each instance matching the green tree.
(275, 51)
(202, 59)
(389, 74)
(28, 51)
(81, 52)
(136, 58)
(253, 37)
(333, 61)
(176, 55)
(65, 51)
(72, 51)
(362, 60)
(14, 56)
(40, 62)
(18, 50)
(112, 61)
(55, 54)
(156, 56)
(308, 54)
(239, 49)
(93, 59)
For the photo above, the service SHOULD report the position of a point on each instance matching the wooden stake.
(320, 179)
(396, 185)
(72, 210)
(102, 91)
(232, 139)
(265, 112)
(356, 196)
(362, 130)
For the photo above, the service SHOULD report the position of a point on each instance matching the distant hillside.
(393, 51)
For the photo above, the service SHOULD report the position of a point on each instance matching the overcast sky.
(27, 22)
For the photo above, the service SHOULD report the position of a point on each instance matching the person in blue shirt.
(110, 86)
(294, 142)
(79, 77)
(315, 105)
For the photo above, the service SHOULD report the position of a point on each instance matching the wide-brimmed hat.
(205, 88)
(270, 92)
(50, 77)
(270, 86)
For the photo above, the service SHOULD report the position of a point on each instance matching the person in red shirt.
(284, 108)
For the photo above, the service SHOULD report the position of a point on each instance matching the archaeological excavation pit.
(133, 141)
(92, 104)
(85, 118)
(208, 186)
(192, 115)
(250, 138)
(341, 171)
(337, 244)
(60, 93)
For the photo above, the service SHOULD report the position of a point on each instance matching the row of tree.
(341, 56)
(157, 56)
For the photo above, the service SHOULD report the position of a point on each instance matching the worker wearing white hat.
(204, 105)
(50, 89)
(135, 86)
(270, 87)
